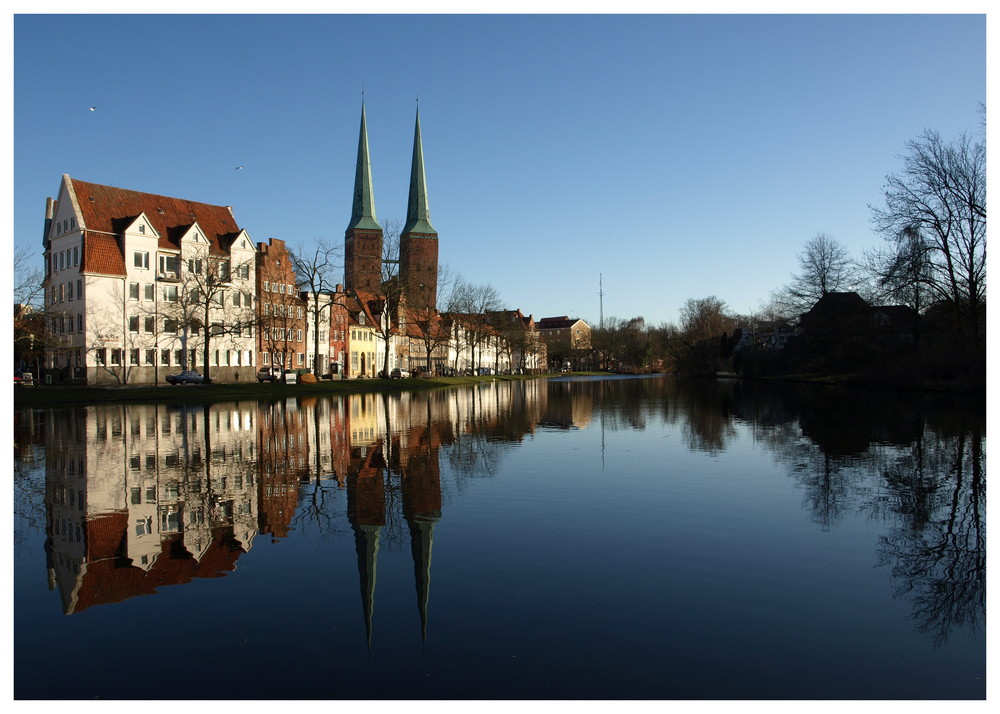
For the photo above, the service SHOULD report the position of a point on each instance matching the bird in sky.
(238, 168)
(93, 109)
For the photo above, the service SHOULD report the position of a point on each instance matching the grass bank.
(43, 395)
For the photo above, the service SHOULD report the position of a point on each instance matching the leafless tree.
(825, 266)
(940, 197)
(471, 305)
(208, 303)
(433, 335)
(316, 269)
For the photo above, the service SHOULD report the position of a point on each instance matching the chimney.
(50, 212)
(339, 288)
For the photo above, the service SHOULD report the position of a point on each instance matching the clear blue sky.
(679, 156)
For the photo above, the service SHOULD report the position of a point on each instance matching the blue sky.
(677, 156)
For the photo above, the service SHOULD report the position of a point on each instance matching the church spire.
(363, 213)
(418, 214)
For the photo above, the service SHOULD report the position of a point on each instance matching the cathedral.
(418, 241)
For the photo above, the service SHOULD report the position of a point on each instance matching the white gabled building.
(139, 286)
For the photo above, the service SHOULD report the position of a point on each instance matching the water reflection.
(142, 496)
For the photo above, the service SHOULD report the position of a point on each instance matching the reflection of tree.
(937, 552)
(29, 481)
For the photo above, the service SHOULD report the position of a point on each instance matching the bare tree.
(432, 334)
(316, 267)
(825, 266)
(386, 308)
(207, 303)
(940, 196)
(472, 305)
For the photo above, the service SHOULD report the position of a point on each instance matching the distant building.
(574, 331)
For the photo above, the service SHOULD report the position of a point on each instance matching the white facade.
(132, 305)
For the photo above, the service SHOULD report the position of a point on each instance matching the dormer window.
(72, 224)
(142, 228)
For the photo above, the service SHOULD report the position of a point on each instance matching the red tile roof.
(109, 210)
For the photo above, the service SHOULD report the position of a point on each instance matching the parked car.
(399, 373)
(267, 374)
(188, 376)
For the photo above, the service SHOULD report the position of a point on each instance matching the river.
(573, 538)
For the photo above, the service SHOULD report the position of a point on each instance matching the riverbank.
(43, 395)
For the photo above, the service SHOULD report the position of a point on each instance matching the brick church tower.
(418, 243)
(363, 239)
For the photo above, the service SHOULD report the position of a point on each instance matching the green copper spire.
(363, 213)
(418, 214)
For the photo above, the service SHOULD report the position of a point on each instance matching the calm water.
(637, 538)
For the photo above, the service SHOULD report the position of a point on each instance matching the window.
(195, 265)
(191, 361)
(302, 359)
(79, 322)
(298, 312)
(140, 259)
(298, 335)
(151, 357)
(169, 264)
(133, 357)
(116, 357)
(237, 296)
(149, 324)
(170, 293)
(265, 358)
(165, 357)
(149, 292)
(72, 223)
(79, 289)
(62, 292)
(244, 271)
(267, 286)
(281, 288)
(133, 291)
(267, 308)
(69, 290)
(76, 252)
(142, 229)
(133, 323)
(224, 271)
(178, 356)
(100, 356)
(61, 258)
(169, 326)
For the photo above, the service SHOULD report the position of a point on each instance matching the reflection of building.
(283, 435)
(141, 496)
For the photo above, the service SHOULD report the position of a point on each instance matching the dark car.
(186, 377)
(268, 374)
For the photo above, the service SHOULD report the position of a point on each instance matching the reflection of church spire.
(366, 513)
(421, 544)
(366, 545)
(422, 509)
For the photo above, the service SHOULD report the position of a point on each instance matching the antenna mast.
(600, 292)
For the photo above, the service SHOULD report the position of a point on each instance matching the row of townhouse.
(139, 286)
